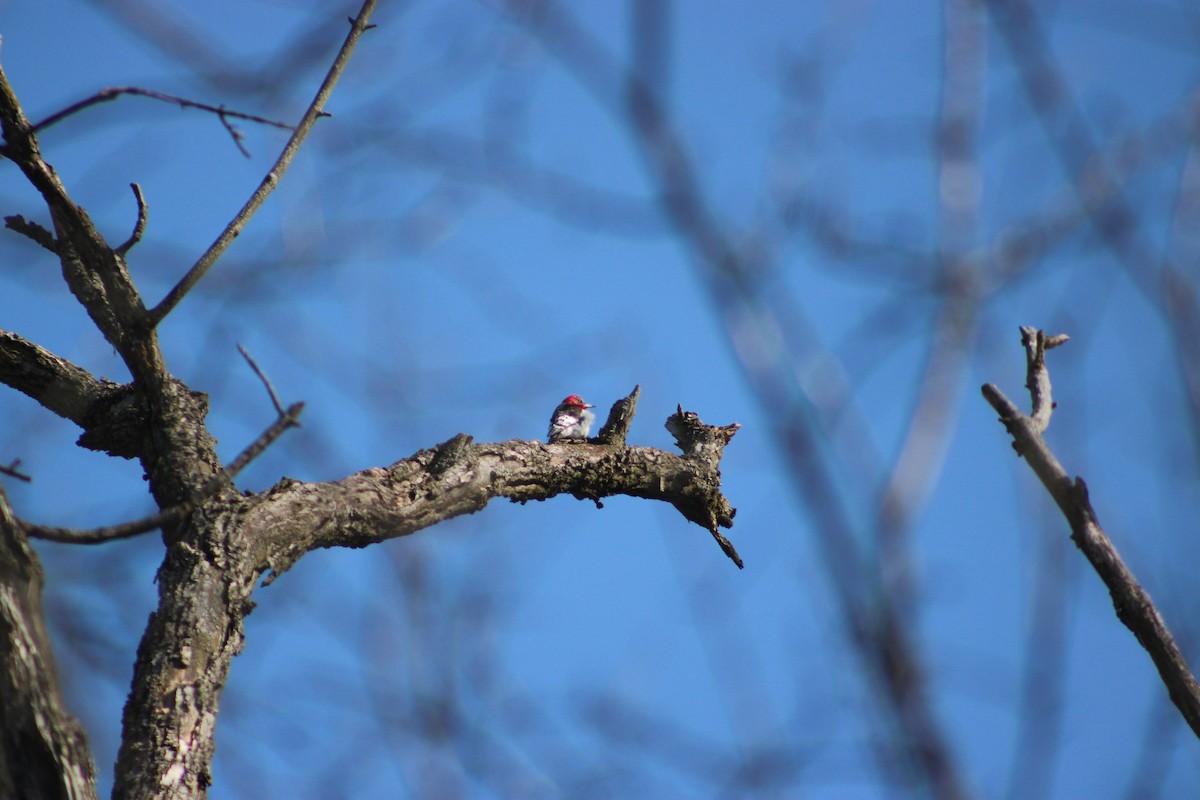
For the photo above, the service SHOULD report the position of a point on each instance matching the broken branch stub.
(620, 416)
(705, 444)
(697, 440)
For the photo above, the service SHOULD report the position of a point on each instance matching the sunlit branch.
(315, 110)
(1132, 603)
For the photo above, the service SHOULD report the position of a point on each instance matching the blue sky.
(408, 289)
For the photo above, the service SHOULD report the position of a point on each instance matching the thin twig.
(1133, 604)
(287, 419)
(12, 471)
(107, 95)
(234, 133)
(262, 377)
(268, 184)
(139, 227)
(727, 547)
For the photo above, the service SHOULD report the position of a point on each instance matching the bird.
(571, 420)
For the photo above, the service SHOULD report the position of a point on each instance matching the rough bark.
(214, 561)
(220, 543)
(43, 750)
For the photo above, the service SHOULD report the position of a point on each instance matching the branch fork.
(1132, 603)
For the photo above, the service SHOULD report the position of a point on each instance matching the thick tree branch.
(62, 387)
(95, 273)
(1132, 603)
(43, 750)
(459, 477)
(227, 544)
(112, 415)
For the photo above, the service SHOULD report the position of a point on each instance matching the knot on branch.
(117, 423)
(450, 453)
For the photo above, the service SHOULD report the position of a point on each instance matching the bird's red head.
(577, 401)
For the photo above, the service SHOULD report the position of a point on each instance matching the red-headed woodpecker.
(571, 420)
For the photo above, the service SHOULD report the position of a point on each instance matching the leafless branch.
(95, 273)
(1132, 603)
(32, 231)
(238, 223)
(56, 383)
(12, 471)
(461, 477)
(262, 377)
(287, 419)
(139, 227)
(107, 95)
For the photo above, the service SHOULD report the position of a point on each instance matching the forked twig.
(107, 95)
(1133, 604)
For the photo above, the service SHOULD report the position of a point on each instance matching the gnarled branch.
(461, 477)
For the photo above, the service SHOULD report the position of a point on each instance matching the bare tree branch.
(460, 477)
(33, 231)
(13, 472)
(262, 377)
(106, 95)
(139, 227)
(95, 273)
(358, 25)
(1132, 603)
(57, 384)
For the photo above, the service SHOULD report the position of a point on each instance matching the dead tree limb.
(1132, 602)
